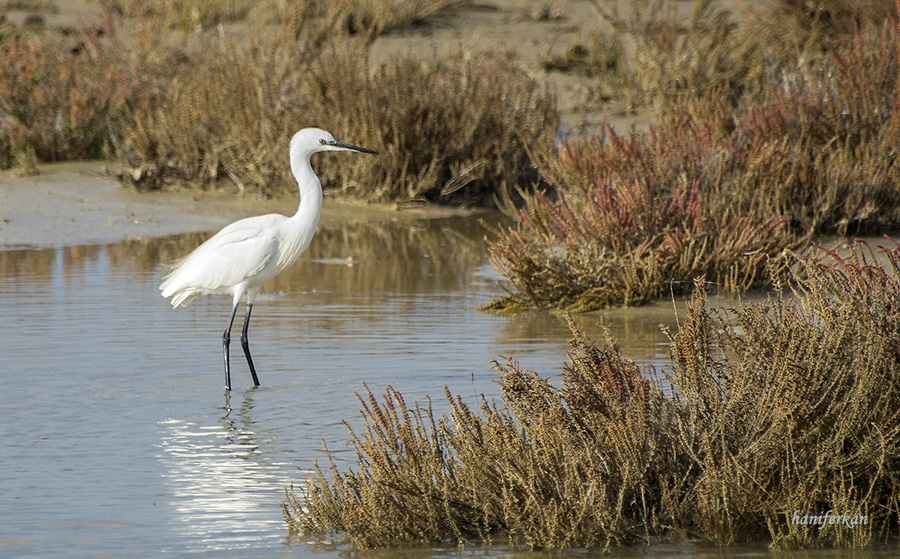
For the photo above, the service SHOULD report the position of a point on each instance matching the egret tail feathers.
(181, 295)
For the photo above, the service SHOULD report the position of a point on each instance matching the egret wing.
(234, 255)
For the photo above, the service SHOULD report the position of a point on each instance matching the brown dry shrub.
(379, 16)
(818, 143)
(706, 57)
(775, 408)
(809, 26)
(549, 469)
(792, 405)
(660, 57)
(28, 5)
(57, 93)
(645, 53)
(190, 130)
(195, 109)
(819, 147)
(185, 14)
(452, 129)
(355, 16)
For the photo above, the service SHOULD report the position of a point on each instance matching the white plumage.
(243, 256)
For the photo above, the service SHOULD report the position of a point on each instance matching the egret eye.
(322, 141)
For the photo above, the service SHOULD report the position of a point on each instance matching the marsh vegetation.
(769, 127)
(758, 144)
(767, 409)
(761, 138)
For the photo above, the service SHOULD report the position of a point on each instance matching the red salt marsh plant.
(815, 145)
(629, 243)
(774, 407)
(713, 188)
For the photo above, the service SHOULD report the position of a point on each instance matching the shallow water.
(120, 440)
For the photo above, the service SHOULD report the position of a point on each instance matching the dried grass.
(380, 16)
(651, 55)
(815, 144)
(506, 474)
(810, 26)
(28, 5)
(187, 15)
(783, 406)
(644, 54)
(793, 404)
(355, 16)
(451, 129)
(669, 60)
(188, 130)
(820, 145)
(57, 93)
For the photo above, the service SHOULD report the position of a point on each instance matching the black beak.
(349, 147)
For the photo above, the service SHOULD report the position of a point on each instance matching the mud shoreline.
(80, 204)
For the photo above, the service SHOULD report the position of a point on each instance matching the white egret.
(243, 256)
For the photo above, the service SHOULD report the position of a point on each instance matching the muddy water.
(120, 441)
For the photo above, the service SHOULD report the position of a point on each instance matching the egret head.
(313, 140)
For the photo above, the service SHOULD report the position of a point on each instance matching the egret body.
(243, 256)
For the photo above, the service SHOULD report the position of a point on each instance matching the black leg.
(226, 341)
(245, 343)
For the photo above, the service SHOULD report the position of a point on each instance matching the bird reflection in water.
(222, 490)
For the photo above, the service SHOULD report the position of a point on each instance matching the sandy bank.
(78, 203)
